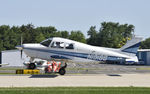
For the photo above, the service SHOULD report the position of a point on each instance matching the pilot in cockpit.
(58, 45)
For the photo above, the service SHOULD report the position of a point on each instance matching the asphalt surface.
(80, 74)
(94, 68)
(84, 80)
(97, 68)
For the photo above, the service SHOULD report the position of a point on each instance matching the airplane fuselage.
(79, 52)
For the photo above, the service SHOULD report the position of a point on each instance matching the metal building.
(144, 56)
(13, 58)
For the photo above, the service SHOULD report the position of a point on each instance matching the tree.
(1, 44)
(110, 34)
(92, 33)
(64, 34)
(77, 36)
(4, 31)
(57, 34)
(48, 32)
(28, 33)
(40, 37)
(145, 44)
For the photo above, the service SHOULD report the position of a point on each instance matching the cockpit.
(57, 44)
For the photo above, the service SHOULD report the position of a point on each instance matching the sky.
(77, 14)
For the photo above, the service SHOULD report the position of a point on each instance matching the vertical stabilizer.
(132, 45)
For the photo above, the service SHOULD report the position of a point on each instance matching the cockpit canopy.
(58, 43)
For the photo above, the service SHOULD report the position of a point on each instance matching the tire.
(32, 66)
(62, 71)
(46, 70)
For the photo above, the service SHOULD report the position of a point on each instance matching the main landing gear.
(31, 65)
(56, 67)
(62, 70)
(47, 66)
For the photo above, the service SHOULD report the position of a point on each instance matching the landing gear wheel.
(32, 66)
(62, 71)
(45, 70)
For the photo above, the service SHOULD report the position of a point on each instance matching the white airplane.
(65, 49)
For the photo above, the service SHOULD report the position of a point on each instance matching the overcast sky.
(77, 14)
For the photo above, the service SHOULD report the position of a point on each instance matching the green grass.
(9, 68)
(142, 68)
(76, 90)
(1, 73)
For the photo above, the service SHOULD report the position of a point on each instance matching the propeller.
(21, 53)
(20, 47)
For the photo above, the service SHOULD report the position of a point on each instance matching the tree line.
(11, 36)
(110, 34)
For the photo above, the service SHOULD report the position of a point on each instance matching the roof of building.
(5, 51)
(144, 50)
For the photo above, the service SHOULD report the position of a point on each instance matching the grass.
(9, 68)
(1, 73)
(142, 68)
(76, 90)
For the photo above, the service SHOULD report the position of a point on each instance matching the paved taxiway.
(139, 80)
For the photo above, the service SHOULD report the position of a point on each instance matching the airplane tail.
(132, 45)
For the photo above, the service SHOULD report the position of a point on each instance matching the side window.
(69, 46)
(57, 45)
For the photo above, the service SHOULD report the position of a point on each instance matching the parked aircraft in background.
(57, 48)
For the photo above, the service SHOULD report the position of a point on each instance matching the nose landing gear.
(31, 66)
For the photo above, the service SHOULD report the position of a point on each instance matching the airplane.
(65, 49)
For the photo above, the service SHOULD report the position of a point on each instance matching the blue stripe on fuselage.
(81, 55)
(73, 54)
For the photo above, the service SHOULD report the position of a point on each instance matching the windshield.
(46, 43)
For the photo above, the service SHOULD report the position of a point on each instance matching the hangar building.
(12, 58)
(144, 56)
